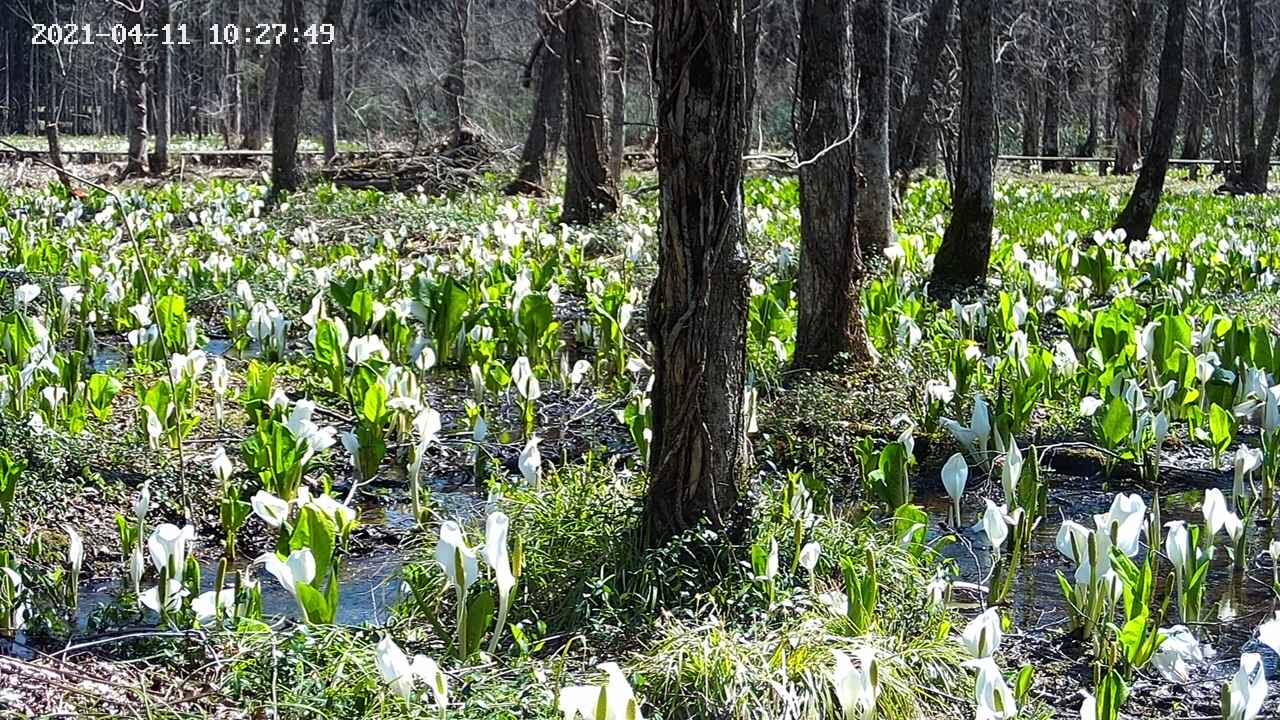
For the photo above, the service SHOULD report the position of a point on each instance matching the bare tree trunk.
(55, 155)
(697, 317)
(263, 110)
(617, 69)
(455, 81)
(285, 126)
(545, 124)
(1089, 145)
(1138, 213)
(135, 79)
(1049, 140)
(912, 136)
(962, 259)
(328, 108)
(875, 205)
(234, 87)
(1258, 165)
(1246, 68)
(1136, 17)
(1197, 100)
(590, 192)
(831, 268)
(1031, 115)
(161, 102)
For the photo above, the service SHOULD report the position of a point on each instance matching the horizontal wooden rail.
(1176, 162)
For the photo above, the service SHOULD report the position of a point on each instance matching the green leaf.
(479, 615)
(1117, 423)
(314, 605)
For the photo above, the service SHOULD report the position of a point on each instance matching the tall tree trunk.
(831, 268)
(1089, 145)
(263, 111)
(1052, 118)
(327, 92)
(1136, 17)
(911, 135)
(1197, 100)
(286, 121)
(697, 316)
(19, 72)
(966, 246)
(875, 205)
(1246, 68)
(1258, 164)
(545, 123)
(161, 100)
(590, 192)
(234, 87)
(135, 79)
(1031, 115)
(617, 70)
(455, 80)
(1138, 213)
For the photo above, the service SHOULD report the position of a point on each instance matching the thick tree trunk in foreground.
(327, 91)
(912, 136)
(455, 81)
(161, 98)
(875, 205)
(135, 80)
(1136, 17)
(831, 267)
(698, 306)
(544, 124)
(1258, 164)
(617, 90)
(285, 126)
(590, 192)
(966, 246)
(1141, 208)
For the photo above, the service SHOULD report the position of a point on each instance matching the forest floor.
(702, 627)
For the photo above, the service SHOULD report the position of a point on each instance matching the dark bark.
(1089, 145)
(1052, 118)
(875, 203)
(327, 91)
(19, 72)
(161, 100)
(912, 135)
(617, 72)
(234, 87)
(1246, 65)
(455, 80)
(55, 155)
(698, 306)
(286, 120)
(962, 258)
(590, 192)
(1135, 20)
(831, 267)
(1258, 165)
(134, 60)
(261, 113)
(540, 145)
(1031, 116)
(1138, 213)
(1197, 100)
